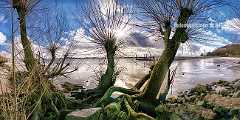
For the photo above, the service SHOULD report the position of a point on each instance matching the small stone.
(236, 94)
(225, 93)
(221, 82)
(228, 87)
(208, 114)
(172, 99)
(180, 100)
(187, 98)
(200, 103)
(220, 89)
(236, 85)
(209, 87)
(193, 98)
(71, 87)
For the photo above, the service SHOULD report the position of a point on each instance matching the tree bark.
(171, 46)
(27, 48)
(160, 70)
(108, 78)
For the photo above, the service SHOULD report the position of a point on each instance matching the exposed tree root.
(135, 115)
(87, 93)
(85, 98)
(132, 103)
(106, 99)
(122, 108)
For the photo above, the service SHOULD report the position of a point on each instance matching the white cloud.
(210, 43)
(140, 51)
(80, 45)
(232, 25)
(35, 47)
(1, 18)
(81, 40)
(3, 38)
(83, 46)
(214, 39)
(108, 8)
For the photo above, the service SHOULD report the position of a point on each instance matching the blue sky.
(72, 13)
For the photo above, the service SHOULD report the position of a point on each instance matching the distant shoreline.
(198, 57)
(148, 59)
(178, 58)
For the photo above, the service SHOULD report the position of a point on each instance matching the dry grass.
(28, 96)
(3, 60)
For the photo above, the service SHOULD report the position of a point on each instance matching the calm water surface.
(189, 72)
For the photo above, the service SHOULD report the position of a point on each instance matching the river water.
(189, 72)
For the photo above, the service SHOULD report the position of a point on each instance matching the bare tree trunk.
(161, 68)
(108, 78)
(28, 53)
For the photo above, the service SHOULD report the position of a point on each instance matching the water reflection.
(203, 71)
(189, 72)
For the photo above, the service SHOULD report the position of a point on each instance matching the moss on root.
(121, 109)
(125, 107)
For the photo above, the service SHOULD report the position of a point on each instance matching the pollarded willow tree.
(168, 20)
(106, 18)
(163, 14)
(33, 94)
(51, 62)
(51, 34)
